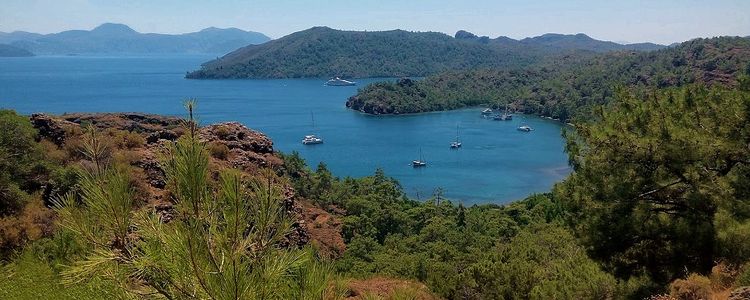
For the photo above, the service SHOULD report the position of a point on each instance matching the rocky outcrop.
(165, 134)
(248, 148)
(248, 151)
(50, 128)
(136, 122)
(237, 136)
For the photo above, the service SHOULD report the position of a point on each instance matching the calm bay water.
(497, 163)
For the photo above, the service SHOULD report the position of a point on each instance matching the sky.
(659, 21)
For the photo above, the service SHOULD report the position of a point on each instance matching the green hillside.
(565, 87)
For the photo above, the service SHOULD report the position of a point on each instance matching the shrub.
(222, 132)
(722, 276)
(34, 222)
(132, 140)
(218, 150)
(743, 279)
(52, 152)
(693, 287)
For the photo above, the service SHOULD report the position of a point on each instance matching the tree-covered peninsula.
(565, 87)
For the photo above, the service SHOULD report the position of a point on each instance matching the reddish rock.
(237, 136)
(50, 128)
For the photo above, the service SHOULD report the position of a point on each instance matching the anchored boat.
(340, 82)
(312, 139)
(419, 162)
(456, 144)
(525, 128)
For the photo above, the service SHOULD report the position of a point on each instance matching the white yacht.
(311, 140)
(525, 128)
(487, 111)
(339, 82)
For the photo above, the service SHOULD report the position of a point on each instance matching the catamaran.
(456, 144)
(312, 139)
(419, 162)
(340, 82)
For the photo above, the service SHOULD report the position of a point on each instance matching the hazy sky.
(661, 21)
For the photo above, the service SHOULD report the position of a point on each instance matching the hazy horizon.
(664, 22)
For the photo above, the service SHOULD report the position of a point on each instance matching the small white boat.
(487, 111)
(525, 128)
(340, 82)
(311, 140)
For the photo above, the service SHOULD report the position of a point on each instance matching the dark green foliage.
(457, 251)
(20, 161)
(565, 87)
(541, 262)
(660, 182)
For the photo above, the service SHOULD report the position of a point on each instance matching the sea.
(496, 164)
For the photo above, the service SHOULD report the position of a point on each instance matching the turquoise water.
(497, 163)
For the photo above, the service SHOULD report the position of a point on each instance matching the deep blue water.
(497, 163)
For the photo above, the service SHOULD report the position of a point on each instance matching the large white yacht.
(339, 82)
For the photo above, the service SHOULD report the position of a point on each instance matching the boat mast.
(456, 133)
(312, 117)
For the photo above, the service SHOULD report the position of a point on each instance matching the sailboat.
(456, 144)
(312, 139)
(419, 162)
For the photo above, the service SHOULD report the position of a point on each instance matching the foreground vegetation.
(658, 203)
(563, 88)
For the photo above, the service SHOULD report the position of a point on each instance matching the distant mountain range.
(558, 42)
(112, 38)
(325, 52)
(12, 51)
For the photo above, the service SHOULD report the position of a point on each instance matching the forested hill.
(565, 87)
(326, 52)
(112, 38)
(11, 51)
